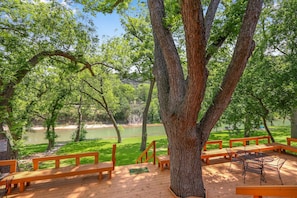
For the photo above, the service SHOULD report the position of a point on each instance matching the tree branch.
(209, 17)
(8, 90)
(243, 50)
(95, 99)
(214, 47)
(91, 86)
(169, 52)
(192, 16)
(38, 57)
(100, 63)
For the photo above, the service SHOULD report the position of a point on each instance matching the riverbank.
(92, 126)
(36, 135)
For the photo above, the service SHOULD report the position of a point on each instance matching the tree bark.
(267, 129)
(181, 98)
(115, 125)
(294, 123)
(145, 116)
(79, 113)
(51, 135)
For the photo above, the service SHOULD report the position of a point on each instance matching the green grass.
(30, 149)
(129, 150)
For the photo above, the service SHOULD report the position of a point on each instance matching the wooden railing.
(57, 159)
(248, 139)
(145, 154)
(289, 140)
(269, 190)
(217, 142)
(11, 163)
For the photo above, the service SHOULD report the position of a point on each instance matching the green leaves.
(104, 6)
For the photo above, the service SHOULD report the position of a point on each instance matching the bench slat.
(268, 190)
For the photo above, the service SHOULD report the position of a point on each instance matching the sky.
(108, 25)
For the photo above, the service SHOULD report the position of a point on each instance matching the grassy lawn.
(128, 151)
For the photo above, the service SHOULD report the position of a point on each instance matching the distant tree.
(282, 42)
(32, 32)
(44, 92)
(100, 91)
(267, 88)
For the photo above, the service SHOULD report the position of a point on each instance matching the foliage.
(267, 89)
(82, 134)
(35, 32)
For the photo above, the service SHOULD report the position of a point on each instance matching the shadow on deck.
(218, 181)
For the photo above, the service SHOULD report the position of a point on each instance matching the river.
(37, 135)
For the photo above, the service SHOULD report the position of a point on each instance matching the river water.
(37, 136)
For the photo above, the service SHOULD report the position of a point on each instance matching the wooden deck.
(218, 180)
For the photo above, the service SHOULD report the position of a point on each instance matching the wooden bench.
(206, 155)
(25, 177)
(11, 163)
(5, 178)
(248, 139)
(218, 142)
(164, 160)
(268, 190)
(289, 146)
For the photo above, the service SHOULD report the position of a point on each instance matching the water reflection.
(38, 136)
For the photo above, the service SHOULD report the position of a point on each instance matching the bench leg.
(8, 187)
(163, 164)
(168, 165)
(22, 186)
(100, 176)
(109, 174)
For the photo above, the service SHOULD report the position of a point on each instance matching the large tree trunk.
(185, 163)
(181, 98)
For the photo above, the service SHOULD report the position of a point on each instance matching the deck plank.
(219, 181)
